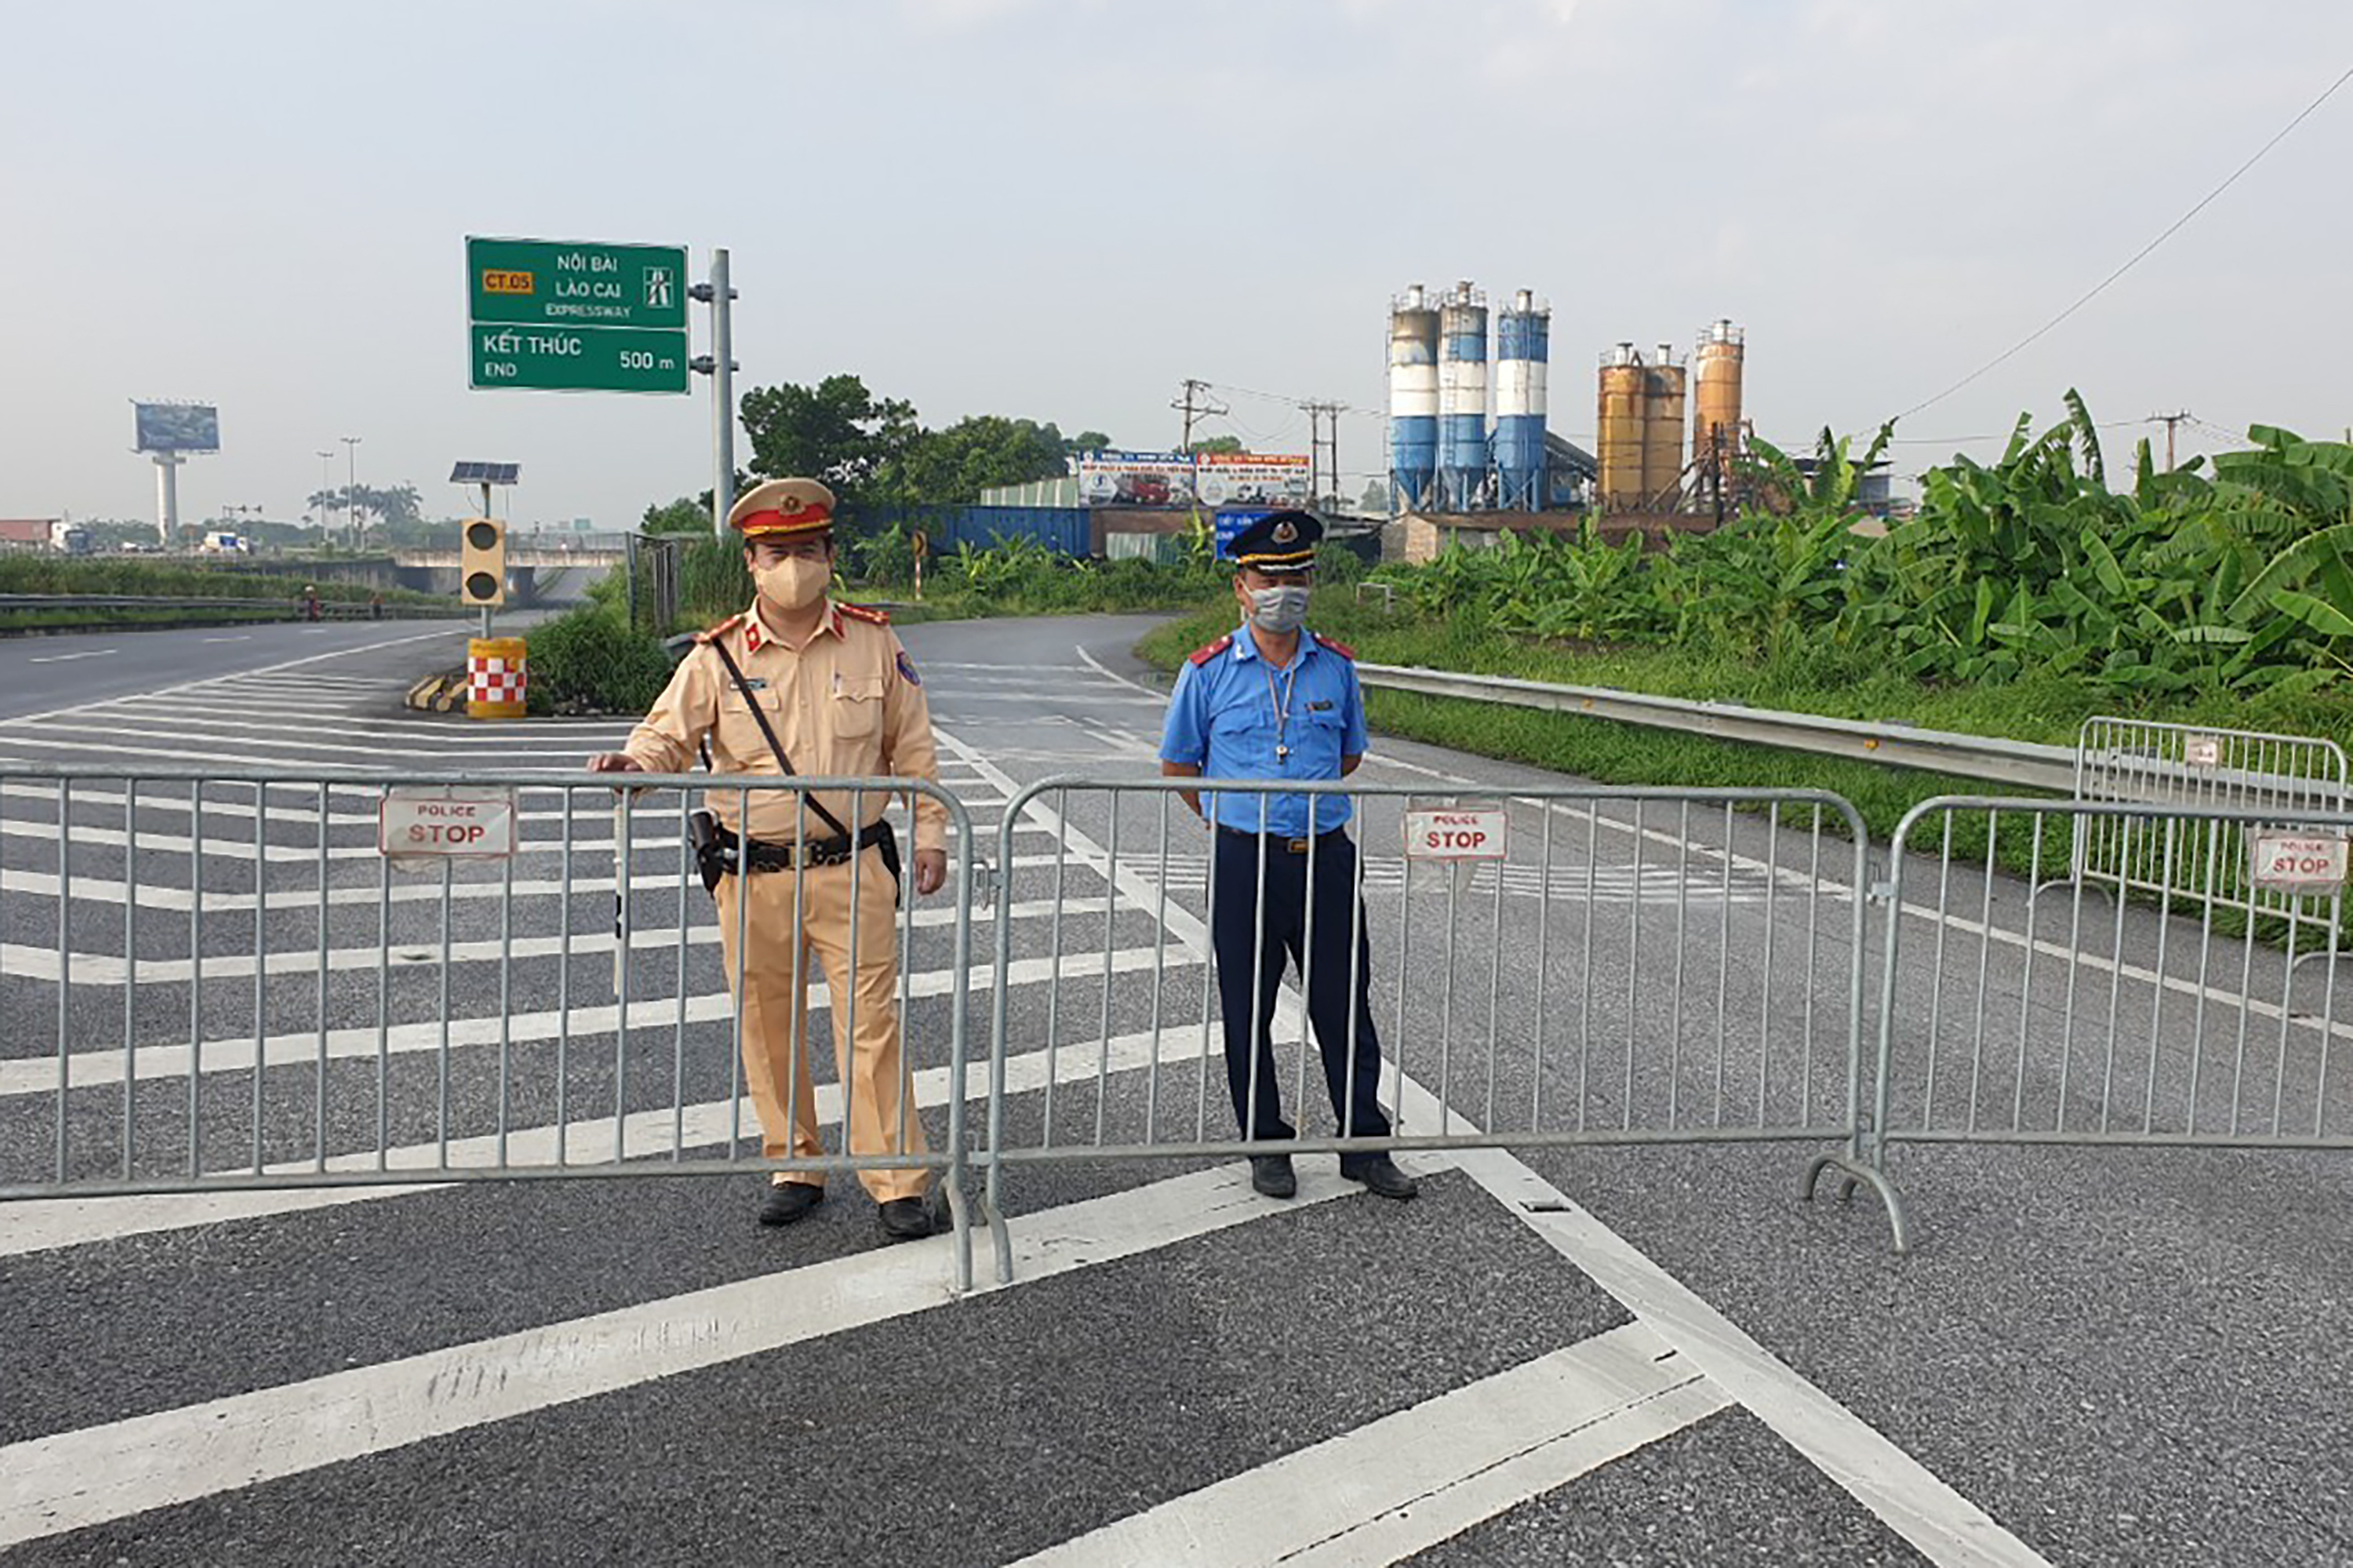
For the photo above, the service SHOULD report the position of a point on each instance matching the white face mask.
(1279, 610)
(794, 582)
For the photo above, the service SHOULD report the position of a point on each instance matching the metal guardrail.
(2024, 764)
(287, 605)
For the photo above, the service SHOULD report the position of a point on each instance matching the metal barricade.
(265, 981)
(2139, 761)
(2173, 1015)
(1553, 966)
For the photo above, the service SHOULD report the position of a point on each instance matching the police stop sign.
(1456, 833)
(447, 824)
(2297, 863)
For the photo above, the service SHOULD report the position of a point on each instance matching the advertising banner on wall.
(1135, 479)
(1252, 479)
(1175, 479)
(178, 427)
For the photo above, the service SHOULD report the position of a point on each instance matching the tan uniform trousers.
(772, 999)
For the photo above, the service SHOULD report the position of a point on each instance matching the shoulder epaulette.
(714, 633)
(1342, 649)
(1208, 652)
(867, 613)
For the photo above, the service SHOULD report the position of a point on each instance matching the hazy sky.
(1062, 209)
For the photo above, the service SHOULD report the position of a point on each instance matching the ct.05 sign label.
(447, 824)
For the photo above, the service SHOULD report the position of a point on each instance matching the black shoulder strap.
(761, 718)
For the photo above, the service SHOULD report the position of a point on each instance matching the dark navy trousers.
(1249, 976)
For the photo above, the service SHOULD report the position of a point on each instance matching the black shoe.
(1271, 1174)
(789, 1201)
(907, 1219)
(1381, 1173)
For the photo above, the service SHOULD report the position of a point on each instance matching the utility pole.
(352, 487)
(1715, 469)
(2168, 421)
(1321, 418)
(1196, 404)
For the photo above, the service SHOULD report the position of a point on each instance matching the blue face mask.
(1279, 610)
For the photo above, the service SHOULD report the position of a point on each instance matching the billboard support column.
(167, 496)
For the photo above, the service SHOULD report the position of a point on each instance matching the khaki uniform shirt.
(847, 705)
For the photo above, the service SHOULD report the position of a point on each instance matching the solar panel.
(485, 472)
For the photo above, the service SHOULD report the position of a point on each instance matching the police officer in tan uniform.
(843, 700)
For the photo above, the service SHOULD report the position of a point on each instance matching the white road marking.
(22, 1076)
(70, 658)
(44, 1224)
(203, 681)
(241, 637)
(1402, 1484)
(72, 1480)
(1095, 665)
(412, 950)
(1901, 1491)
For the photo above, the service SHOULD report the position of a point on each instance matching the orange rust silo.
(1621, 429)
(1715, 372)
(1662, 432)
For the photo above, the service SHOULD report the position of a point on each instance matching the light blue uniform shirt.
(1226, 719)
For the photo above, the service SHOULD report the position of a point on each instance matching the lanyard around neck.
(1281, 705)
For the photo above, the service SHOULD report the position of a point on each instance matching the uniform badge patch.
(1284, 532)
(907, 670)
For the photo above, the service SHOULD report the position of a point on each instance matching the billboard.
(1181, 479)
(1135, 479)
(1252, 479)
(178, 427)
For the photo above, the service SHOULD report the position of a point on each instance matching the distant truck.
(220, 542)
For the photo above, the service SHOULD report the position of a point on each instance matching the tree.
(1086, 441)
(399, 507)
(953, 466)
(1219, 444)
(680, 516)
(836, 431)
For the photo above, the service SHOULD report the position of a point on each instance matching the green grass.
(1607, 752)
(2047, 711)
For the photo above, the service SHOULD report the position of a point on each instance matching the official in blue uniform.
(1274, 701)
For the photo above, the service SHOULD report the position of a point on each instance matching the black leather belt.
(839, 850)
(1277, 844)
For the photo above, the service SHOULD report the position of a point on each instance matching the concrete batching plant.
(1413, 401)
(1716, 430)
(1522, 342)
(1462, 399)
(1467, 428)
(1443, 453)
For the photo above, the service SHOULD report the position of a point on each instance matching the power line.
(2170, 230)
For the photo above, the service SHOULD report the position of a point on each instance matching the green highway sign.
(577, 359)
(558, 284)
(576, 316)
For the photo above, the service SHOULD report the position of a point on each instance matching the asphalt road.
(43, 674)
(1646, 1354)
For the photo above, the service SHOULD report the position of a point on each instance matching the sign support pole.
(167, 497)
(720, 366)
